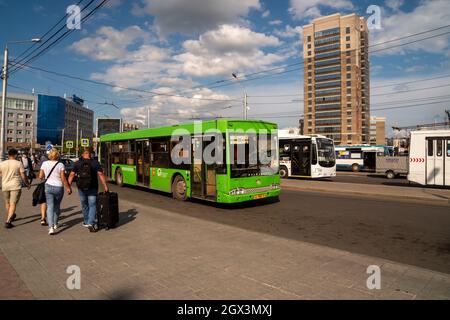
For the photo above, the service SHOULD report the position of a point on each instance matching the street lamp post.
(4, 91)
(244, 94)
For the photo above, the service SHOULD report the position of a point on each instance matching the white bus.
(360, 157)
(429, 157)
(310, 156)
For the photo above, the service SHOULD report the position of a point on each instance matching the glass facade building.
(57, 113)
(51, 115)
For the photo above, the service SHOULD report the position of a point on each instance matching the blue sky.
(176, 47)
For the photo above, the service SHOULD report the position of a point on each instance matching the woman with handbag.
(53, 172)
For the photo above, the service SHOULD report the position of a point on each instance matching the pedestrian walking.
(53, 172)
(43, 205)
(88, 171)
(13, 173)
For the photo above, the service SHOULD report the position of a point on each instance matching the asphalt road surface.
(410, 233)
(369, 178)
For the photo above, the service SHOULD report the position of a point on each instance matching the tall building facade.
(336, 78)
(20, 120)
(377, 130)
(58, 116)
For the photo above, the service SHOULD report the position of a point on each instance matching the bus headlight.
(236, 192)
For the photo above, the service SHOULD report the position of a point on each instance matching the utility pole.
(32, 142)
(244, 94)
(76, 145)
(62, 141)
(5, 84)
(448, 115)
(245, 106)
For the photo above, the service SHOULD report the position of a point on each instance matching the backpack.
(85, 179)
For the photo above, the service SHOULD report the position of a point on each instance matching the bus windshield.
(253, 155)
(326, 154)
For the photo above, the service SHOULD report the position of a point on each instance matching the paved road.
(307, 245)
(408, 233)
(368, 178)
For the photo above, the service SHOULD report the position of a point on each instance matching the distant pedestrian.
(87, 170)
(43, 205)
(13, 173)
(26, 162)
(54, 172)
(28, 166)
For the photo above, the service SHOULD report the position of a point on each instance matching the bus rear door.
(203, 176)
(435, 161)
(143, 162)
(301, 158)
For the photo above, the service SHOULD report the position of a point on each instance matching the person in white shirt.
(54, 188)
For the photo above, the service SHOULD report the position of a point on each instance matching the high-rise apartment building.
(336, 78)
(377, 130)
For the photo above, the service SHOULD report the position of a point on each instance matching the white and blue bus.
(360, 157)
(306, 156)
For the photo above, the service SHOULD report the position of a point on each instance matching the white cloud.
(290, 32)
(428, 15)
(394, 4)
(265, 14)
(275, 22)
(146, 65)
(225, 50)
(165, 110)
(186, 17)
(109, 43)
(301, 9)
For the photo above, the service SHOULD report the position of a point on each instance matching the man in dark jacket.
(88, 171)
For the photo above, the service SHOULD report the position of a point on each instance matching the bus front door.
(301, 158)
(143, 162)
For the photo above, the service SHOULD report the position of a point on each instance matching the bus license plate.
(259, 196)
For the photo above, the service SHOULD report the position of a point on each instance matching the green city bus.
(144, 158)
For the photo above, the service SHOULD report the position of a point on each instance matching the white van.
(429, 157)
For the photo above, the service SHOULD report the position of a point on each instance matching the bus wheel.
(179, 188)
(119, 177)
(390, 174)
(284, 172)
(355, 167)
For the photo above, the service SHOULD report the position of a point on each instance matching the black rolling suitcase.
(107, 210)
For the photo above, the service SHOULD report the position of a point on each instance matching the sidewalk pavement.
(441, 196)
(155, 253)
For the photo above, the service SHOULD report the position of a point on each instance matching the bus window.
(160, 154)
(430, 147)
(439, 148)
(448, 148)
(355, 155)
(325, 151)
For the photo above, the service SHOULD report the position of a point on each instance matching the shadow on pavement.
(122, 294)
(126, 217)
(66, 225)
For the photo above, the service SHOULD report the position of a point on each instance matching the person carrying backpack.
(87, 171)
